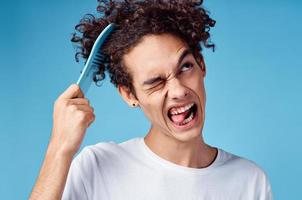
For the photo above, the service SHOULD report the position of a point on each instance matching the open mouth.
(183, 115)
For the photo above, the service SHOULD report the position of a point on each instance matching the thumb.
(73, 91)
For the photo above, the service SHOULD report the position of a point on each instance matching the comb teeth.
(97, 61)
(98, 58)
(100, 55)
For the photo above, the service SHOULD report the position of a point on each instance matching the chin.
(189, 136)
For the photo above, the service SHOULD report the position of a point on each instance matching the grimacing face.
(169, 85)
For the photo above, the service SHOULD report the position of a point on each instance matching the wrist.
(58, 151)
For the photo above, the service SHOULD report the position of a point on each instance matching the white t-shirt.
(131, 171)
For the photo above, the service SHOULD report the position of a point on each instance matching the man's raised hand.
(71, 117)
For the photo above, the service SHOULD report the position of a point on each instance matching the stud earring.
(134, 105)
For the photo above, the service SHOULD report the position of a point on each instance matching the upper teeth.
(175, 111)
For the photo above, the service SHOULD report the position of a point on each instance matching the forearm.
(72, 116)
(53, 174)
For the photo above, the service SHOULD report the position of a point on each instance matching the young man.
(156, 64)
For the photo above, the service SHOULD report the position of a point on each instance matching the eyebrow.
(158, 78)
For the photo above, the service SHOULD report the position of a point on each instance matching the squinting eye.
(157, 86)
(186, 67)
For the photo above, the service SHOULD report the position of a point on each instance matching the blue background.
(253, 87)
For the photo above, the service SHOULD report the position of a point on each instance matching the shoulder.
(104, 152)
(248, 172)
(241, 164)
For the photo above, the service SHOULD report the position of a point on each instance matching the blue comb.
(94, 60)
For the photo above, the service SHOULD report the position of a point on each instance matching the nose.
(176, 90)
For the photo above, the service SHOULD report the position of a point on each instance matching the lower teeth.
(187, 120)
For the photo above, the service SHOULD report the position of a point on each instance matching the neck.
(194, 153)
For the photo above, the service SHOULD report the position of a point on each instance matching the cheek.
(199, 86)
(196, 85)
(153, 107)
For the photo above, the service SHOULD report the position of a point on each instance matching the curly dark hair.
(186, 19)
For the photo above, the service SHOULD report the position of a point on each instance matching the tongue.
(180, 117)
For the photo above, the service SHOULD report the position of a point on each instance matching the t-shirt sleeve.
(74, 187)
(265, 190)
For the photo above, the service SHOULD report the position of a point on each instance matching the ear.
(127, 95)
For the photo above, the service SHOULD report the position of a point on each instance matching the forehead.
(154, 55)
